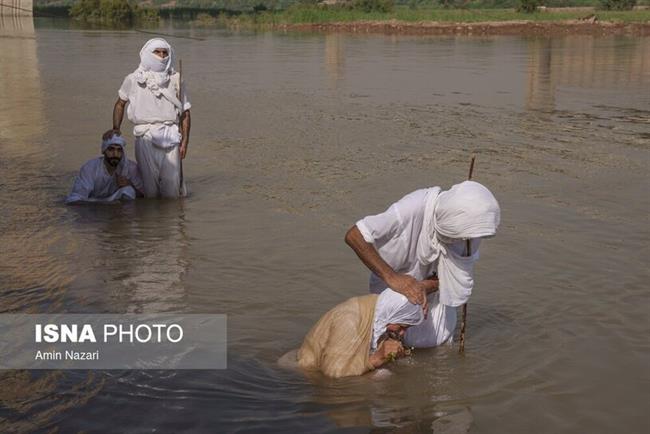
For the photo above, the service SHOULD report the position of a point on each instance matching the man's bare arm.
(186, 125)
(411, 288)
(118, 116)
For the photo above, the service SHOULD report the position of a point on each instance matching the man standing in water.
(419, 245)
(159, 108)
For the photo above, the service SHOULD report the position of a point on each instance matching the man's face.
(161, 52)
(113, 155)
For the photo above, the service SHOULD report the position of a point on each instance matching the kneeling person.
(108, 178)
(359, 335)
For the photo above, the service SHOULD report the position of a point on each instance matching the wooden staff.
(468, 246)
(180, 84)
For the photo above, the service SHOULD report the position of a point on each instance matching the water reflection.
(21, 120)
(541, 81)
(140, 254)
(552, 62)
(334, 57)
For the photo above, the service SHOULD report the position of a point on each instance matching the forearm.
(185, 126)
(369, 255)
(118, 114)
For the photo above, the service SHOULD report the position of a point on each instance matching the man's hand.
(123, 181)
(108, 134)
(392, 349)
(183, 150)
(388, 350)
(415, 291)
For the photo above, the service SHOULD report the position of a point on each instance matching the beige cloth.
(339, 344)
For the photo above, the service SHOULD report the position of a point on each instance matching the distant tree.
(111, 11)
(528, 6)
(618, 5)
(374, 5)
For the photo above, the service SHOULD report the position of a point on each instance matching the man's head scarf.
(393, 308)
(119, 141)
(467, 210)
(154, 71)
(115, 139)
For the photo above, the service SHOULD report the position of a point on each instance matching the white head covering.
(467, 210)
(117, 140)
(393, 308)
(154, 71)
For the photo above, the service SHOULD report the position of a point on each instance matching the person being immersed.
(357, 336)
(159, 108)
(419, 244)
(108, 178)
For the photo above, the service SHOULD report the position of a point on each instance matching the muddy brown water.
(296, 136)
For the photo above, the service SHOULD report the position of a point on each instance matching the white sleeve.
(390, 224)
(83, 185)
(125, 89)
(381, 227)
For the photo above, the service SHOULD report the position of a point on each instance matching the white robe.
(95, 184)
(395, 234)
(157, 136)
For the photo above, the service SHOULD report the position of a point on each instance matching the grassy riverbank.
(311, 15)
(422, 19)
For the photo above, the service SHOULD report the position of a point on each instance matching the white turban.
(393, 308)
(115, 139)
(467, 210)
(154, 71)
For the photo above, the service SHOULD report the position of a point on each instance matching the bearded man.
(159, 108)
(108, 178)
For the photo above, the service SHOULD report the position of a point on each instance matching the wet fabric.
(95, 184)
(393, 308)
(160, 169)
(338, 345)
(436, 329)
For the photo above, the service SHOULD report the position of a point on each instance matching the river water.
(296, 136)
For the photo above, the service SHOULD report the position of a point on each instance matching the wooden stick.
(180, 84)
(471, 168)
(468, 248)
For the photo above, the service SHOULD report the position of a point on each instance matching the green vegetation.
(268, 13)
(111, 11)
(618, 5)
(528, 6)
(310, 14)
